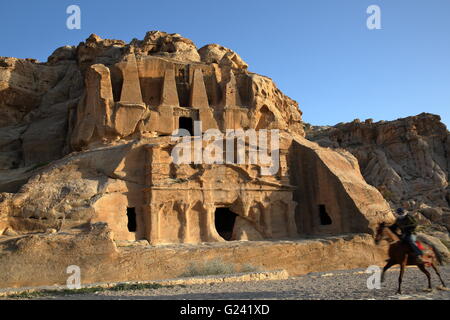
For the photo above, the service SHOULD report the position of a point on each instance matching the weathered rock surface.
(172, 46)
(35, 100)
(133, 93)
(214, 53)
(88, 139)
(334, 182)
(408, 160)
(100, 260)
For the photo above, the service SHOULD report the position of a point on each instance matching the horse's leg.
(402, 271)
(436, 269)
(389, 264)
(424, 270)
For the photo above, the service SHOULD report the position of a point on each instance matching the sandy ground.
(341, 285)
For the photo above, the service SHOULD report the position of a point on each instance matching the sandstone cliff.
(408, 160)
(86, 145)
(48, 102)
(86, 138)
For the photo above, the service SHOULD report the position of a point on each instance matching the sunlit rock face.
(87, 137)
(407, 160)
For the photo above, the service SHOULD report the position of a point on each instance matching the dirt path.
(340, 285)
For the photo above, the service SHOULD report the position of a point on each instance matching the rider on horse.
(407, 224)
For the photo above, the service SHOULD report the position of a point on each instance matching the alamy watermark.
(374, 20)
(74, 20)
(236, 146)
(374, 281)
(74, 280)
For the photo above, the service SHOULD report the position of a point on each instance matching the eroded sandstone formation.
(88, 139)
(103, 260)
(407, 160)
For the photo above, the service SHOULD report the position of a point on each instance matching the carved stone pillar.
(255, 216)
(267, 218)
(131, 87)
(211, 232)
(290, 215)
(169, 93)
(199, 100)
(184, 213)
(154, 236)
(246, 205)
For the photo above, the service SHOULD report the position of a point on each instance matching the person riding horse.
(407, 225)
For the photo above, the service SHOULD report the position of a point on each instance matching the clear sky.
(319, 52)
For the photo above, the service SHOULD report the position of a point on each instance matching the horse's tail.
(439, 256)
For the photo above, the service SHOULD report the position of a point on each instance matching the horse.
(401, 253)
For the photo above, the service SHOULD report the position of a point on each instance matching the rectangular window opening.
(325, 219)
(131, 214)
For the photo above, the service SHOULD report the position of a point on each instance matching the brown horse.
(401, 253)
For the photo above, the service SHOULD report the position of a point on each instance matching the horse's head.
(380, 233)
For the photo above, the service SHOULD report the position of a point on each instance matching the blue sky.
(319, 52)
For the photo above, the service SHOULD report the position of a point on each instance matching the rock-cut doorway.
(224, 222)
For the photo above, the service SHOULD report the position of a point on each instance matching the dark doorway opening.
(224, 221)
(325, 219)
(131, 214)
(187, 124)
